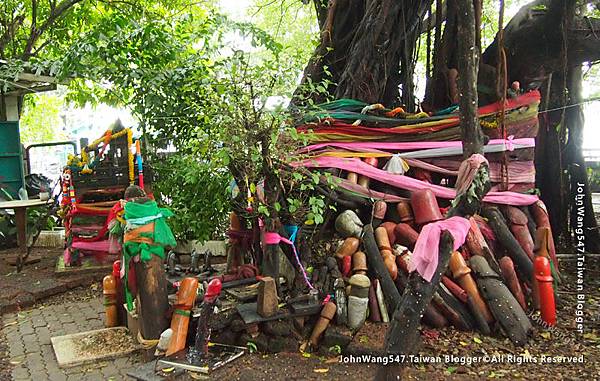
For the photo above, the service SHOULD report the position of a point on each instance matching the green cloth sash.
(138, 215)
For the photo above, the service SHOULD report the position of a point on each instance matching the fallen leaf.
(306, 354)
(321, 370)
(463, 343)
(167, 370)
(333, 360)
(546, 335)
(477, 340)
(450, 369)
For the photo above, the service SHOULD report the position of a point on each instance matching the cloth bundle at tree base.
(395, 176)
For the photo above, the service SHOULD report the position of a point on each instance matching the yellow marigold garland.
(84, 161)
(488, 125)
(129, 154)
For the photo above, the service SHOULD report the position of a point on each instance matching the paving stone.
(13, 336)
(121, 362)
(36, 368)
(27, 339)
(50, 315)
(94, 376)
(33, 347)
(20, 372)
(110, 371)
(43, 336)
(56, 376)
(26, 328)
(75, 377)
(73, 370)
(38, 321)
(52, 366)
(36, 312)
(15, 347)
(35, 356)
(57, 332)
(46, 350)
(66, 318)
(71, 328)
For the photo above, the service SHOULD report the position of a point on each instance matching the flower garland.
(130, 155)
(107, 136)
(82, 164)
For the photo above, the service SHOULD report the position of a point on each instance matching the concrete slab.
(87, 347)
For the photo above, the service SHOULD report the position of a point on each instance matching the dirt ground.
(513, 363)
(527, 363)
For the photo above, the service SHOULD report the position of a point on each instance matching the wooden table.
(20, 208)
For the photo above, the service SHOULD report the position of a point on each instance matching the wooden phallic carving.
(503, 305)
(462, 273)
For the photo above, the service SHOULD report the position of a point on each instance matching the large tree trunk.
(544, 42)
(337, 23)
(544, 48)
(468, 65)
(367, 51)
(374, 55)
(576, 167)
(549, 160)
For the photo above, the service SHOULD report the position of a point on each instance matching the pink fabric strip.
(518, 171)
(272, 238)
(408, 183)
(92, 246)
(424, 258)
(406, 146)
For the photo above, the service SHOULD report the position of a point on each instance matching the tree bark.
(337, 23)
(153, 302)
(541, 44)
(374, 54)
(575, 163)
(468, 64)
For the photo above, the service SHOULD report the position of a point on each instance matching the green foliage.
(41, 31)
(252, 348)
(40, 119)
(336, 350)
(594, 178)
(218, 108)
(198, 195)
